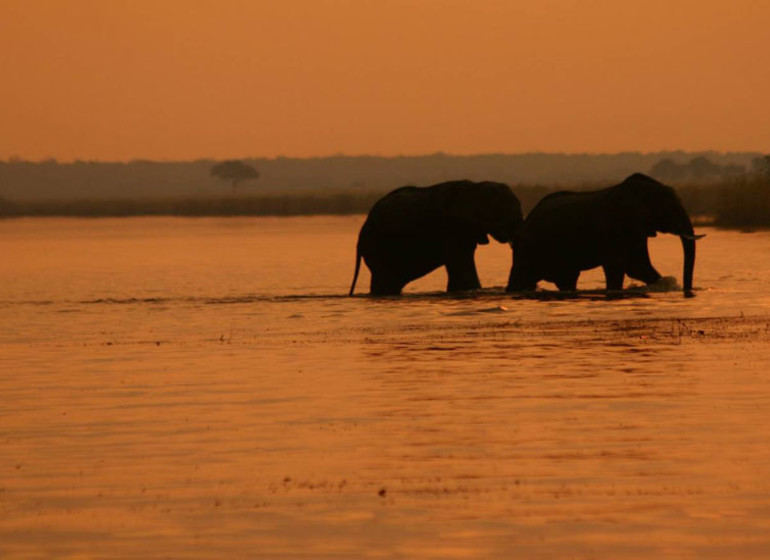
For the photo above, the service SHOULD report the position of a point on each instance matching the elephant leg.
(387, 276)
(517, 282)
(523, 276)
(461, 270)
(393, 265)
(385, 285)
(639, 266)
(613, 276)
(567, 281)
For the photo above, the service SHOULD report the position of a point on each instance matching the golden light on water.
(203, 388)
(257, 408)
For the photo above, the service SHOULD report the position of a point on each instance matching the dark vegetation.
(253, 205)
(745, 203)
(234, 171)
(52, 180)
(731, 190)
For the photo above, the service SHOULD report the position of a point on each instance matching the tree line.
(724, 197)
(741, 203)
(26, 180)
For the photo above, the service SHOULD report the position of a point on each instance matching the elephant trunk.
(688, 237)
(688, 246)
(682, 226)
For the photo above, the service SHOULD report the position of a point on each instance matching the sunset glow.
(181, 80)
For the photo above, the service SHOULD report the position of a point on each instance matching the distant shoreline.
(229, 206)
(739, 203)
(92, 180)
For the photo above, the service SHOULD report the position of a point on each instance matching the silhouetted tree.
(702, 168)
(234, 171)
(667, 170)
(699, 169)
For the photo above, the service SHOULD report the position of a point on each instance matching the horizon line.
(21, 159)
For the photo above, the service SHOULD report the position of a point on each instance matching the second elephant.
(415, 230)
(568, 232)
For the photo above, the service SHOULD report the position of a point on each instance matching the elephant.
(412, 231)
(568, 232)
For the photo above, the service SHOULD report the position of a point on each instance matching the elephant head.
(653, 207)
(486, 208)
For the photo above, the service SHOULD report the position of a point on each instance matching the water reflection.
(163, 394)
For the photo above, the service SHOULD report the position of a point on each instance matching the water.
(199, 388)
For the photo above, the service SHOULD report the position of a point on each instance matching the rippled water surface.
(203, 388)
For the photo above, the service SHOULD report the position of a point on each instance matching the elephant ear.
(463, 210)
(632, 215)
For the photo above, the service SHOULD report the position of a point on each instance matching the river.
(204, 388)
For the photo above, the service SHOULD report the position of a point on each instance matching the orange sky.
(183, 79)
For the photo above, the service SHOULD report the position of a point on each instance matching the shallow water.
(198, 388)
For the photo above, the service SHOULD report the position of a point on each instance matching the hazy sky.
(182, 79)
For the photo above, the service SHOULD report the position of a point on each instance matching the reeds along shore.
(742, 202)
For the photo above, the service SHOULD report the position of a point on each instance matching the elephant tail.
(355, 274)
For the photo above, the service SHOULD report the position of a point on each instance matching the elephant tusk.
(693, 237)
